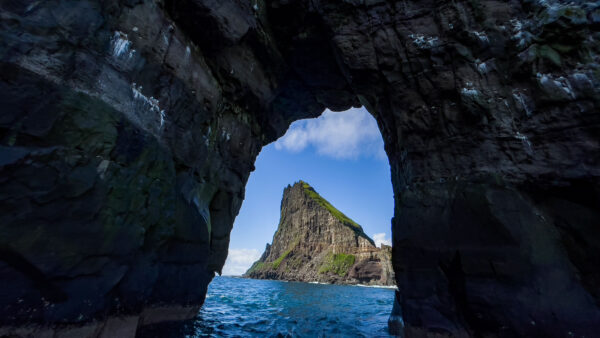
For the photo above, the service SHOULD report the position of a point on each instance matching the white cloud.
(381, 238)
(239, 261)
(342, 135)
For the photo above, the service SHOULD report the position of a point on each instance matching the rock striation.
(129, 129)
(315, 242)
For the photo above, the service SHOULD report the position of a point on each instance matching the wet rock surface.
(315, 242)
(129, 128)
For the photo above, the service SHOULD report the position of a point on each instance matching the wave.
(378, 286)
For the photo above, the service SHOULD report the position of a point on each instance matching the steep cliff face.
(129, 128)
(315, 242)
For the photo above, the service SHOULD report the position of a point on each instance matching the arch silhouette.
(130, 128)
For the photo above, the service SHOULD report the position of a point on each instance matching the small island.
(315, 242)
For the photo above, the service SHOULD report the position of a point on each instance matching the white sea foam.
(378, 286)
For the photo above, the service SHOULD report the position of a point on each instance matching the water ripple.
(236, 307)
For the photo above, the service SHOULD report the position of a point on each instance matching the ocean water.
(237, 307)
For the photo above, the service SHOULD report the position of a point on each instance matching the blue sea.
(237, 307)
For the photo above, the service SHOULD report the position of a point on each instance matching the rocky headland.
(315, 242)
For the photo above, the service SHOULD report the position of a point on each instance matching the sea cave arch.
(142, 119)
(339, 155)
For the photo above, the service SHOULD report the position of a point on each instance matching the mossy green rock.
(338, 263)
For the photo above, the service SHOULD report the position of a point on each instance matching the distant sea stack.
(315, 242)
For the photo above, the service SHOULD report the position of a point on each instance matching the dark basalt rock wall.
(315, 242)
(129, 128)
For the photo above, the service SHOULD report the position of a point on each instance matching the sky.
(340, 154)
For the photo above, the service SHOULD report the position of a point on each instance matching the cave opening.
(341, 156)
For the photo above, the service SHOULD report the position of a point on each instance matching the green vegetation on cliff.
(257, 266)
(339, 264)
(261, 266)
(325, 204)
(281, 258)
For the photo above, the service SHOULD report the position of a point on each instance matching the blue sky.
(341, 155)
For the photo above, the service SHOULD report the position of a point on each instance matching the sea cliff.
(315, 242)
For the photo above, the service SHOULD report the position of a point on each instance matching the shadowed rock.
(129, 129)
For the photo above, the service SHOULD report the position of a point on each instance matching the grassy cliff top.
(347, 221)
